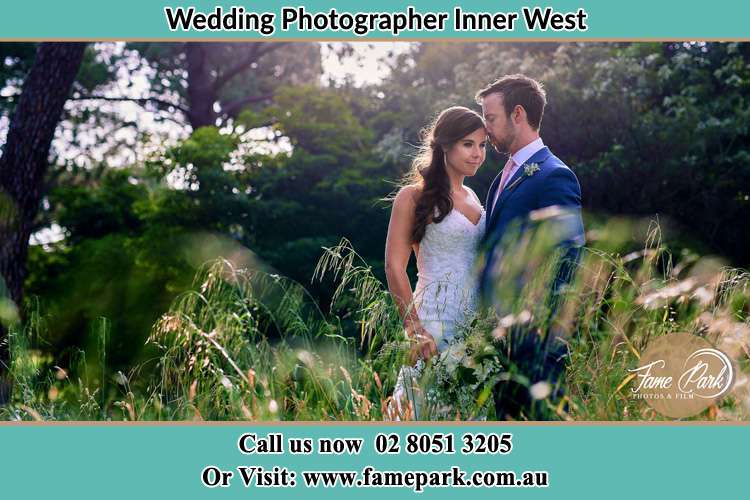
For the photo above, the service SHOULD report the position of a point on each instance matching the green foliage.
(217, 361)
(16, 59)
(687, 144)
(327, 188)
(133, 240)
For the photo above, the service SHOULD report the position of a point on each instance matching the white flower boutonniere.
(529, 170)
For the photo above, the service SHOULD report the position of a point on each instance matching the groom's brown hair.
(519, 90)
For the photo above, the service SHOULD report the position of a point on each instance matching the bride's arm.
(398, 248)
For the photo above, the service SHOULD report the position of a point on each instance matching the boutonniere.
(529, 169)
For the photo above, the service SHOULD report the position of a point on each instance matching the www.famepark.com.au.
(370, 477)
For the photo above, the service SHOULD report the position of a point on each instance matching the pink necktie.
(506, 173)
(503, 179)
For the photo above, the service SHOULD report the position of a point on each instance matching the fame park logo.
(680, 375)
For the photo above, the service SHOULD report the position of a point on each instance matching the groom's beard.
(503, 146)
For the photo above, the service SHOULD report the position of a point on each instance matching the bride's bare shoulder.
(407, 196)
(474, 195)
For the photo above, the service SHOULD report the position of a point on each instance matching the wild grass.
(248, 345)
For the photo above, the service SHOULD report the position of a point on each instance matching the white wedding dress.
(446, 292)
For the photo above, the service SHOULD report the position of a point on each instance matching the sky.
(365, 66)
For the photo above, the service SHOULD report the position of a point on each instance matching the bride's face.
(467, 154)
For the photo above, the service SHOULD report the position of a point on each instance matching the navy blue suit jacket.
(553, 184)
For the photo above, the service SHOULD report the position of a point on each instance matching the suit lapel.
(538, 157)
(491, 195)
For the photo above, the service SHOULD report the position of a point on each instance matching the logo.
(680, 375)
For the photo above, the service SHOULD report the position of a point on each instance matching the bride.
(442, 222)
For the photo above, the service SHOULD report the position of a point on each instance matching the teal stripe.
(94, 19)
(139, 462)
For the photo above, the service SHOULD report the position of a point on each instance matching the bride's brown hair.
(428, 168)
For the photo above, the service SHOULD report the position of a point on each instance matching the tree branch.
(257, 51)
(270, 47)
(233, 108)
(235, 70)
(142, 101)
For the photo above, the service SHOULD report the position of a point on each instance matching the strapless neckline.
(481, 216)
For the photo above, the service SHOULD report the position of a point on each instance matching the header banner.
(387, 20)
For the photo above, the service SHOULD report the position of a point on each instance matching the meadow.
(244, 344)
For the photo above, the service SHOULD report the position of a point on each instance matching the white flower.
(483, 371)
(530, 169)
(454, 355)
(273, 406)
(226, 382)
(540, 390)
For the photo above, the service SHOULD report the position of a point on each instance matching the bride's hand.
(424, 344)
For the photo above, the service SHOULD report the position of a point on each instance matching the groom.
(532, 179)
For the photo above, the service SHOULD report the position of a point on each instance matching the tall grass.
(250, 345)
(247, 345)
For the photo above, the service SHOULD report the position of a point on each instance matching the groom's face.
(501, 128)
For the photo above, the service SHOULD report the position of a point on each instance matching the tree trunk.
(24, 163)
(201, 91)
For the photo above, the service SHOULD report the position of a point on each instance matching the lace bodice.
(446, 288)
